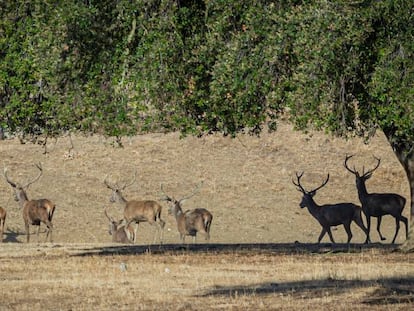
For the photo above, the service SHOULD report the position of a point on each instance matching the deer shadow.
(219, 248)
(387, 290)
(11, 236)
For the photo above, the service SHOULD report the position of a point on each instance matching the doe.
(120, 231)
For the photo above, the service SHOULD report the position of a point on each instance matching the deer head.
(20, 189)
(176, 204)
(113, 225)
(307, 195)
(360, 178)
(116, 195)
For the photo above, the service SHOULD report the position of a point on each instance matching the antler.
(193, 193)
(108, 184)
(354, 171)
(297, 184)
(165, 196)
(106, 214)
(321, 186)
(39, 166)
(13, 184)
(131, 182)
(300, 187)
(364, 174)
(369, 173)
(171, 199)
(7, 178)
(116, 186)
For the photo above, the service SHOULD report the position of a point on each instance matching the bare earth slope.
(247, 183)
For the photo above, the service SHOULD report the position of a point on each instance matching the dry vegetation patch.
(173, 278)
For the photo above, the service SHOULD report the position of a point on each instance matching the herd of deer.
(39, 211)
(198, 220)
(373, 205)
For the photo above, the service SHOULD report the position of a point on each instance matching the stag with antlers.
(378, 204)
(138, 210)
(2, 222)
(34, 211)
(329, 215)
(192, 221)
(121, 232)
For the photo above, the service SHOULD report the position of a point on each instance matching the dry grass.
(98, 277)
(252, 262)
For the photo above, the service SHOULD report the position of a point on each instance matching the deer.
(189, 222)
(137, 210)
(378, 204)
(35, 212)
(2, 222)
(330, 215)
(121, 232)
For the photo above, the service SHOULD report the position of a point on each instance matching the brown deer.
(378, 204)
(34, 211)
(330, 215)
(192, 221)
(121, 232)
(138, 211)
(2, 222)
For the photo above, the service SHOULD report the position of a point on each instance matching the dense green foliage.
(124, 67)
(200, 66)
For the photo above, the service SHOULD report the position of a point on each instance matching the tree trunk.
(406, 158)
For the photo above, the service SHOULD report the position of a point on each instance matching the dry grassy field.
(261, 253)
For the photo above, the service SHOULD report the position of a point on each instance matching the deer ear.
(312, 193)
(368, 176)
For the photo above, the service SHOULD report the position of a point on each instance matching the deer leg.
(37, 233)
(162, 234)
(157, 232)
(397, 228)
(323, 232)
(1, 230)
(208, 231)
(49, 227)
(368, 227)
(347, 227)
(161, 224)
(136, 232)
(47, 233)
(26, 225)
(360, 224)
(402, 218)
(330, 235)
(379, 219)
